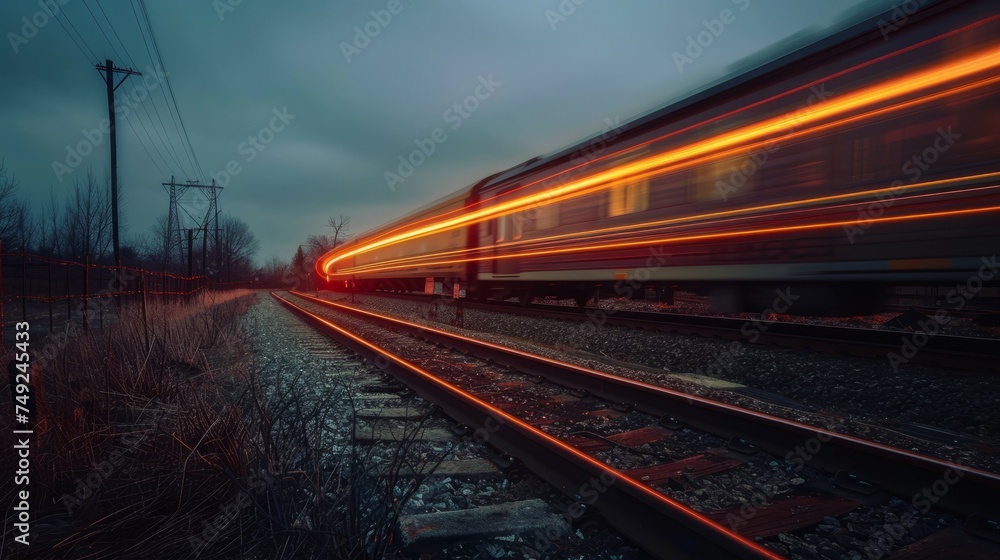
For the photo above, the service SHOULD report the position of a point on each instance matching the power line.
(166, 143)
(113, 31)
(170, 112)
(101, 29)
(151, 142)
(84, 41)
(56, 17)
(166, 79)
(144, 147)
(142, 123)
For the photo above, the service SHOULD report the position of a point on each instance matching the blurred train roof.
(856, 24)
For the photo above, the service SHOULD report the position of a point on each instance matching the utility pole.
(109, 70)
(190, 254)
(204, 252)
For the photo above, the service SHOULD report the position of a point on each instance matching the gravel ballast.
(858, 396)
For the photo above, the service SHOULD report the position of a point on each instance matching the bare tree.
(341, 225)
(16, 225)
(50, 237)
(239, 245)
(273, 271)
(322, 243)
(159, 245)
(87, 220)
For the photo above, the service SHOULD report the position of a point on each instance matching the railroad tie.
(436, 531)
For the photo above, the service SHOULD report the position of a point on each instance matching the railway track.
(955, 352)
(658, 448)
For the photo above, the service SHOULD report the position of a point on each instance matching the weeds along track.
(128, 439)
(418, 481)
(690, 475)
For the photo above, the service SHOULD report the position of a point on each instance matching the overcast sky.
(548, 73)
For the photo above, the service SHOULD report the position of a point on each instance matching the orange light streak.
(704, 236)
(702, 219)
(513, 420)
(691, 399)
(702, 124)
(897, 87)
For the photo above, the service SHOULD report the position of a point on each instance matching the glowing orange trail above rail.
(651, 141)
(696, 219)
(508, 419)
(700, 237)
(881, 93)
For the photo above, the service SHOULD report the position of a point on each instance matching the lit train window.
(632, 196)
(628, 198)
(502, 228)
(547, 216)
(518, 222)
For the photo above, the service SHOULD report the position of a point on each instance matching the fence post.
(51, 322)
(3, 322)
(86, 291)
(100, 304)
(145, 323)
(24, 287)
(69, 300)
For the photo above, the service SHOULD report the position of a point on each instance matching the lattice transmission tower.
(193, 213)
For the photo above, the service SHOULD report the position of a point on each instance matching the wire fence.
(48, 292)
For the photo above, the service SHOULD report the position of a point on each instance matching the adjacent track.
(635, 509)
(957, 352)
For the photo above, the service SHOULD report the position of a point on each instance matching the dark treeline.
(297, 273)
(77, 225)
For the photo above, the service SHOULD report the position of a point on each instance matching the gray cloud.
(353, 120)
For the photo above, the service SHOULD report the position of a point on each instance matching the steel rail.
(663, 527)
(958, 352)
(852, 460)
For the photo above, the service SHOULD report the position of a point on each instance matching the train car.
(404, 277)
(868, 159)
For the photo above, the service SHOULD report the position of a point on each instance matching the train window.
(521, 222)
(717, 180)
(628, 198)
(861, 159)
(547, 216)
(502, 228)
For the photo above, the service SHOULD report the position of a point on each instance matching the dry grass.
(158, 437)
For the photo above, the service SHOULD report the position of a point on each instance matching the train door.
(507, 229)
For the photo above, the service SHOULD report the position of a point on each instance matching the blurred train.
(866, 160)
